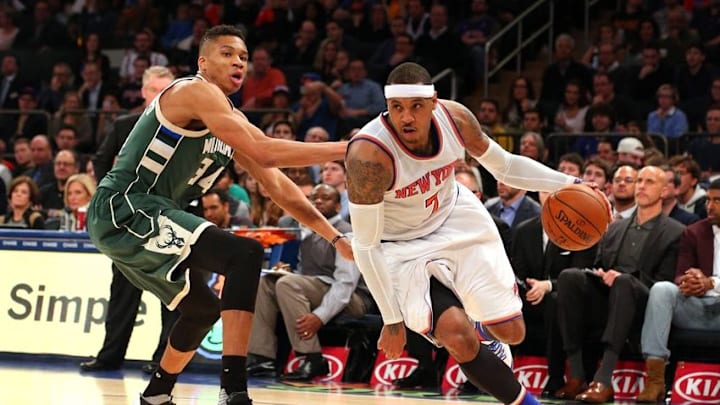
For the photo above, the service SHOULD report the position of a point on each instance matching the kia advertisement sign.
(628, 379)
(336, 358)
(453, 377)
(387, 370)
(532, 373)
(696, 383)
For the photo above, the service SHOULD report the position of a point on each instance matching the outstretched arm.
(290, 198)
(370, 174)
(193, 101)
(514, 170)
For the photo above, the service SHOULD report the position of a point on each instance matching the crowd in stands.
(641, 102)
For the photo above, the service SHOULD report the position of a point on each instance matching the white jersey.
(423, 192)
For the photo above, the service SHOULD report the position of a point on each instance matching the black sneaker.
(234, 398)
(144, 402)
(262, 369)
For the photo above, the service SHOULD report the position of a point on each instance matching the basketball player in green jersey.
(174, 153)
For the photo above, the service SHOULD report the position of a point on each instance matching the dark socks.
(234, 376)
(577, 367)
(487, 372)
(604, 373)
(161, 382)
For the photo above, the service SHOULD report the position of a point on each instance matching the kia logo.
(454, 376)
(390, 370)
(532, 376)
(699, 387)
(335, 365)
(628, 382)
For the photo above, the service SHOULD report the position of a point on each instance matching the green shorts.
(146, 236)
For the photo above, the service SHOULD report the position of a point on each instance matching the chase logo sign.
(211, 345)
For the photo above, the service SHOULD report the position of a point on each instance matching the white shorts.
(466, 255)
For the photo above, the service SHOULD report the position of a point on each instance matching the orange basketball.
(575, 217)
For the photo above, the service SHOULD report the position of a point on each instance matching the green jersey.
(137, 216)
(162, 159)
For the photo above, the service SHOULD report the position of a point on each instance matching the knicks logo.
(390, 370)
(533, 377)
(335, 365)
(702, 387)
(454, 376)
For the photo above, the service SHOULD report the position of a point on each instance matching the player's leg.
(239, 260)
(199, 310)
(454, 330)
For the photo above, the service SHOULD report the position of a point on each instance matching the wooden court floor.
(34, 383)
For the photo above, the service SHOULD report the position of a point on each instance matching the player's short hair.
(409, 73)
(220, 31)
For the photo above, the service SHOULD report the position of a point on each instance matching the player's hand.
(344, 248)
(538, 289)
(392, 340)
(307, 326)
(602, 196)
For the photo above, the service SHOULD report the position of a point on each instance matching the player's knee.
(202, 314)
(197, 318)
(512, 332)
(460, 340)
(242, 275)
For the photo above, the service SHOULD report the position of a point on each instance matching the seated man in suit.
(687, 303)
(326, 285)
(635, 253)
(670, 203)
(538, 282)
(512, 206)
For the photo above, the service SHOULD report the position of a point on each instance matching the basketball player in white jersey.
(428, 249)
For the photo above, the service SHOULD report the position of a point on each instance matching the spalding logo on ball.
(575, 217)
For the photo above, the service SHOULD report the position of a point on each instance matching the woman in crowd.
(24, 194)
(263, 211)
(79, 189)
(521, 99)
(570, 116)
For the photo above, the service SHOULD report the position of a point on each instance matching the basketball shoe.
(156, 400)
(234, 398)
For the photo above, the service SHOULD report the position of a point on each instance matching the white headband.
(409, 90)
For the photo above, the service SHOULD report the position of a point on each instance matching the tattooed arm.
(370, 173)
